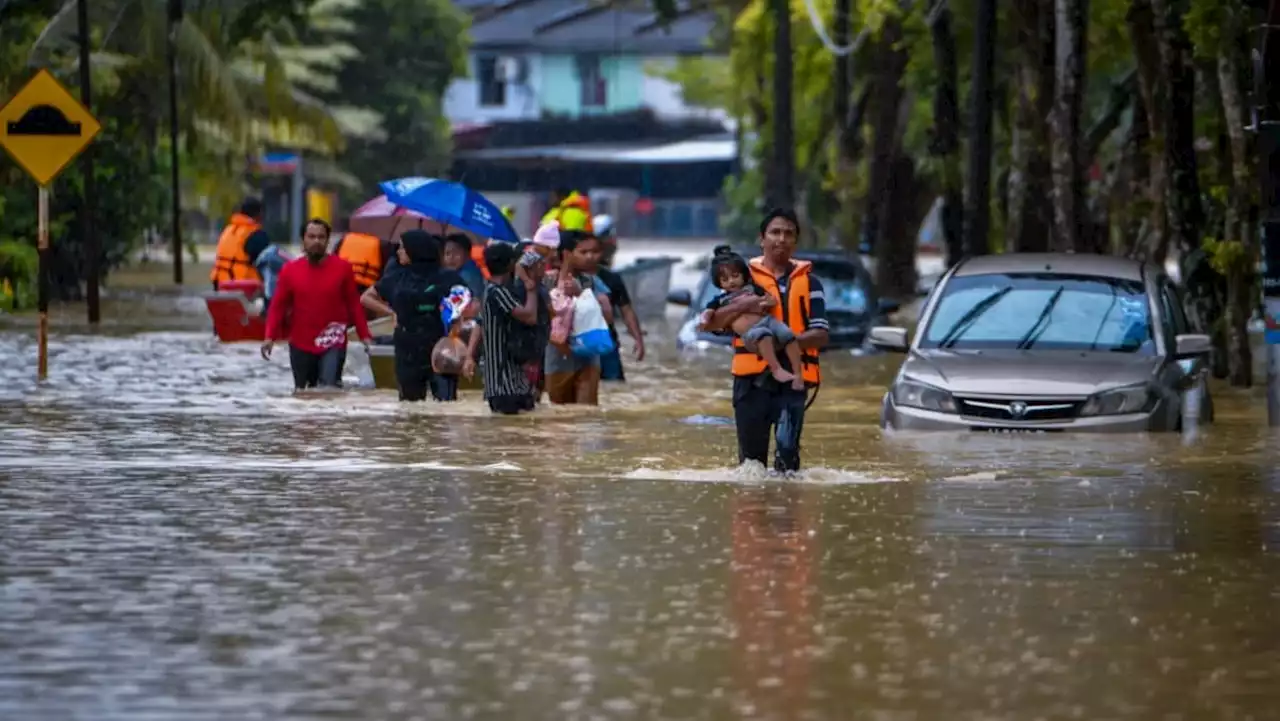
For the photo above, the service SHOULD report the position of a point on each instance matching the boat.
(648, 282)
(236, 319)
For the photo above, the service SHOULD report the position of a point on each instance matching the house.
(532, 59)
(564, 93)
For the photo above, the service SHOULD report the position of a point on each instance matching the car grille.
(1012, 409)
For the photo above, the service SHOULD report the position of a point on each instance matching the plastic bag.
(590, 331)
(448, 355)
(562, 321)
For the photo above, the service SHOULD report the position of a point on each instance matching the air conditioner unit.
(510, 69)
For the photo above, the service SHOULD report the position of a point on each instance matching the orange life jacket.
(477, 256)
(232, 262)
(364, 253)
(792, 309)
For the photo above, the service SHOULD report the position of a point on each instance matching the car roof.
(1104, 266)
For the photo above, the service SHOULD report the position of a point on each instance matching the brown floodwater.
(182, 539)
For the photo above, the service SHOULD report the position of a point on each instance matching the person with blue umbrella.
(454, 205)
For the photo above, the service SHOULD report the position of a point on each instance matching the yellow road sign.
(44, 127)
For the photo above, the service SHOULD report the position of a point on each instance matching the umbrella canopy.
(456, 206)
(384, 219)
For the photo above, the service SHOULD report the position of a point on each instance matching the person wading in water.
(611, 363)
(507, 332)
(793, 296)
(414, 294)
(315, 301)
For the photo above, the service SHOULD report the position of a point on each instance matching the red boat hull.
(235, 320)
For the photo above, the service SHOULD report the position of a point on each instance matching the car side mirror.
(680, 297)
(1192, 345)
(889, 305)
(889, 338)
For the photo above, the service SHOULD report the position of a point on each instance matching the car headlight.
(1130, 399)
(926, 397)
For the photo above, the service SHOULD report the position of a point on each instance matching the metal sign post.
(42, 284)
(44, 128)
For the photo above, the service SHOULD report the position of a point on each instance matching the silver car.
(1048, 342)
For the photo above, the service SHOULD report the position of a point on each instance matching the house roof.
(582, 26)
(707, 149)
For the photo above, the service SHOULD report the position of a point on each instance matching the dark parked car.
(853, 306)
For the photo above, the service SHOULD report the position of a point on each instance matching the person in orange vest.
(240, 244)
(762, 404)
(368, 255)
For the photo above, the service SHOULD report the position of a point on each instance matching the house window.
(493, 91)
(591, 81)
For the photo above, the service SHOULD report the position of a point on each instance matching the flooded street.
(182, 539)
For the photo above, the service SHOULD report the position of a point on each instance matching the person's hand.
(469, 367)
(365, 343)
(267, 347)
(522, 274)
(639, 349)
(767, 302)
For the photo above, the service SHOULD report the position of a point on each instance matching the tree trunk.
(1069, 218)
(1153, 86)
(1132, 194)
(977, 214)
(1030, 217)
(896, 256)
(886, 99)
(946, 134)
(782, 193)
(1182, 193)
(1238, 226)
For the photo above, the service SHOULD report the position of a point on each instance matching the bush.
(19, 266)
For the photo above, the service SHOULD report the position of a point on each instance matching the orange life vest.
(477, 256)
(792, 309)
(232, 262)
(364, 253)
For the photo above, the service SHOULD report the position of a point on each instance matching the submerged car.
(853, 306)
(1048, 342)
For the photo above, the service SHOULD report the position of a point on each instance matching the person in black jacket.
(415, 293)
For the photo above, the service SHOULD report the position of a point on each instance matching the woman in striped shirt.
(506, 333)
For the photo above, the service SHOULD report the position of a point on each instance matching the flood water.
(181, 539)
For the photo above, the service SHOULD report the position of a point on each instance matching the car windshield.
(847, 294)
(1041, 311)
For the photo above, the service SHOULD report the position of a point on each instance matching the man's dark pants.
(762, 405)
(311, 370)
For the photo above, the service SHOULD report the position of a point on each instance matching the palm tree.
(241, 87)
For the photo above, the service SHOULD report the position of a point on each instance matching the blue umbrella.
(455, 205)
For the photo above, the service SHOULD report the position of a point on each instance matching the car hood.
(1028, 373)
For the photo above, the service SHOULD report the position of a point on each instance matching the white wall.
(462, 98)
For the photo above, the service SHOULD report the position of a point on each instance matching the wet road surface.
(181, 539)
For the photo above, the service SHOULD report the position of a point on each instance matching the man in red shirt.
(315, 301)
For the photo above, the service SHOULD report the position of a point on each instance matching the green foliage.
(242, 70)
(743, 205)
(410, 50)
(1208, 24)
(1228, 256)
(19, 263)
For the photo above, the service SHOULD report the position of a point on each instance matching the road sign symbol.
(45, 127)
